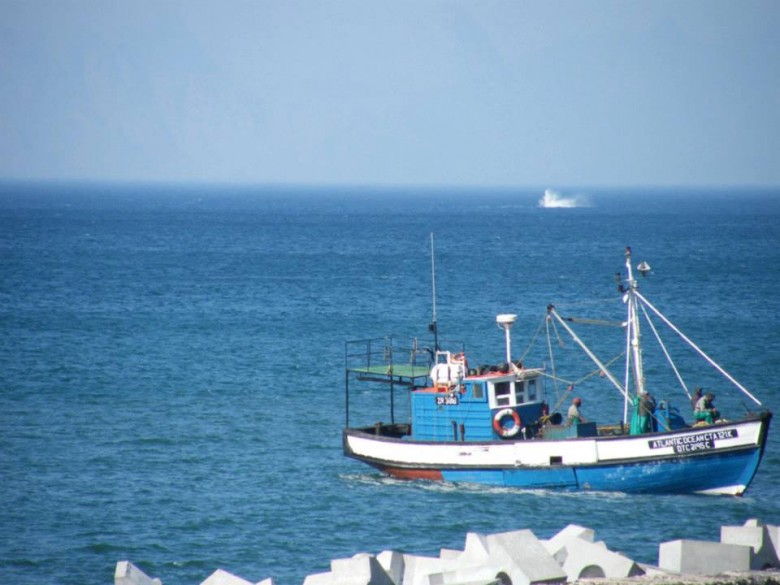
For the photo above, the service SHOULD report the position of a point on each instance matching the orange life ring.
(508, 432)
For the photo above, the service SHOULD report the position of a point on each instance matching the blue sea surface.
(172, 380)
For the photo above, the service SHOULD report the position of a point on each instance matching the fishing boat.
(493, 424)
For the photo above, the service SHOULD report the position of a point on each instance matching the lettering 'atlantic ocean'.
(697, 442)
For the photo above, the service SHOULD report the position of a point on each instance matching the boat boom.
(551, 310)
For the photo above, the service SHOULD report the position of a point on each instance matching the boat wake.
(554, 199)
(379, 480)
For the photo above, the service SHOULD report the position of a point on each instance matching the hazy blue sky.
(486, 93)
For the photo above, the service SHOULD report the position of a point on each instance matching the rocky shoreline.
(745, 555)
(765, 577)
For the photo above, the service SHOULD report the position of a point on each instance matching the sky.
(477, 93)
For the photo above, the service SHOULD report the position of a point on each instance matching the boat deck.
(401, 370)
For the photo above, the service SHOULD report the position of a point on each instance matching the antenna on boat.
(505, 322)
(432, 327)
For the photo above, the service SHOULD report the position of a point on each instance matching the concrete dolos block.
(319, 579)
(505, 572)
(531, 558)
(587, 560)
(758, 538)
(127, 573)
(418, 569)
(516, 557)
(703, 558)
(221, 577)
(556, 545)
(393, 564)
(772, 531)
(774, 537)
(362, 569)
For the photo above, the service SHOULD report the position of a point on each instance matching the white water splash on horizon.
(554, 199)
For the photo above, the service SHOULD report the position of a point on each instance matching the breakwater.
(748, 554)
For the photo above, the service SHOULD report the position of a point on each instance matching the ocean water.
(172, 380)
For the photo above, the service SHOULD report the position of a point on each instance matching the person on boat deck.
(705, 410)
(695, 398)
(574, 416)
(643, 415)
(646, 412)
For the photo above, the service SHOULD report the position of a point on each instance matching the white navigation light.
(505, 322)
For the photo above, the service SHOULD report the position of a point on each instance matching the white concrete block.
(518, 575)
(475, 549)
(474, 552)
(483, 573)
(361, 569)
(703, 558)
(489, 571)
(449, 554)
(126, 573)
(593, 560)
(774, 536)
(532, 562)
(221, 577)
(393, 564)
(319, 579)
(557, 542)
(756, 537)
(515, 555)
(417, 569)
(653, 571)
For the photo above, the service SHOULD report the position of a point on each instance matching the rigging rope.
(571, 384)
(697, 348)
(666, 353)
(533, 339)
(552, 358)
(605, 301)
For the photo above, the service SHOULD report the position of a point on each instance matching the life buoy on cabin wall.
(507, 432)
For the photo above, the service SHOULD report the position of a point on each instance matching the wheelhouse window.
(504, 393)
(510, 392)
(478, 391)
(532, 392)
(519, 394)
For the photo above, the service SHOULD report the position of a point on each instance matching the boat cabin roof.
(497, 376)
(489, 376)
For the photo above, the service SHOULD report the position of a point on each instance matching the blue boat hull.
(681, 475)
(720, 459)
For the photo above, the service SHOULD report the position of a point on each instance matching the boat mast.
(633, 323)
(433, 327)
